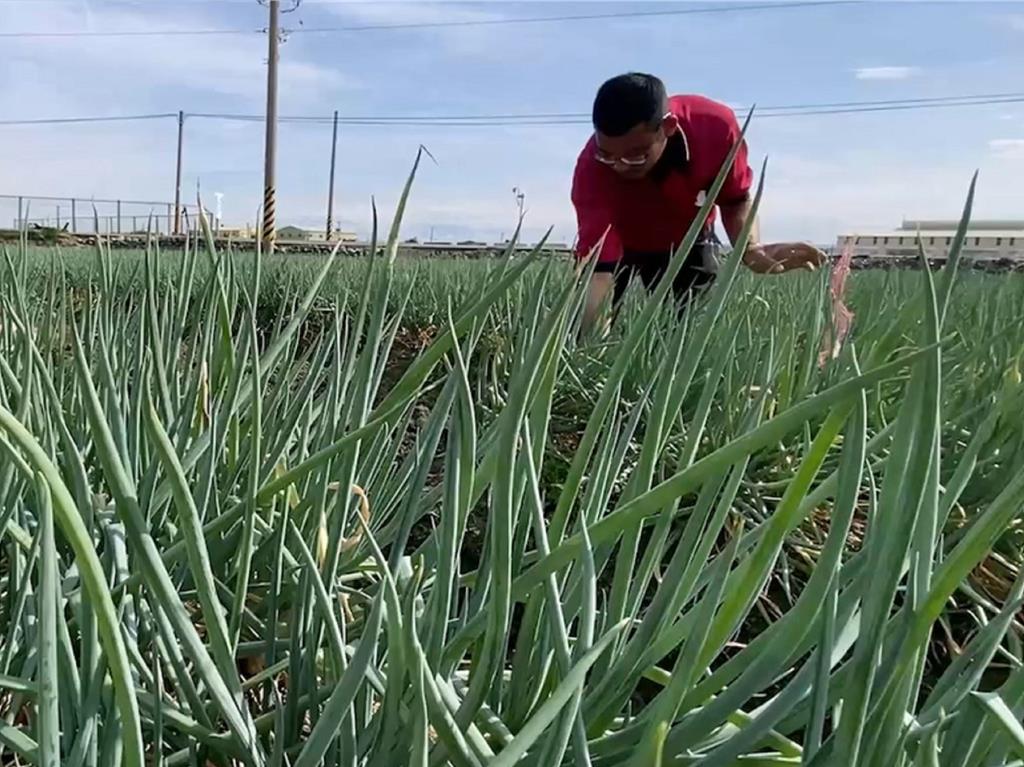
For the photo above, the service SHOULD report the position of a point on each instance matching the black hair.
(629, 100)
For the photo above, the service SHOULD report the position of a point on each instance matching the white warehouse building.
(985, 240)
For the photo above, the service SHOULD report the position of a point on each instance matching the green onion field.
(293, 510)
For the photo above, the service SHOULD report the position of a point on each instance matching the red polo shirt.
(655, 212)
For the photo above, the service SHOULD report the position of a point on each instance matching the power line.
(580, 17)
(439, 24)
(132, 33)
(578, 118)
(102, 119)
(893, 108)
(383, 119)
(556, 118)
(881, 102)
(575, 116)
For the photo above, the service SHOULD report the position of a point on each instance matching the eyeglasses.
(630, 162)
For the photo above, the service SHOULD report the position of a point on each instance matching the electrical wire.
(90, 33)
(555, 118)
(580, 118)
(893, 108)
(577, 17)
(574, 116)
(101, 119)
(81, 33)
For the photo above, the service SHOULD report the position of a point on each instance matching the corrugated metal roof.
(925, 234)
(980, 225)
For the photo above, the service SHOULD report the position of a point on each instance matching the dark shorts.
(693, 278)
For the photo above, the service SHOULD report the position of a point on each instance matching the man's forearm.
(762, 258)
(734, 218)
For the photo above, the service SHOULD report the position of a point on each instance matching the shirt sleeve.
(740, 179)
(594, 216)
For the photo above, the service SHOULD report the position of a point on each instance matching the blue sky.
(826, 174)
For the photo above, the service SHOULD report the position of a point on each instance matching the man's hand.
(781, 257)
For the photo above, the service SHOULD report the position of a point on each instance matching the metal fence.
(79, 215)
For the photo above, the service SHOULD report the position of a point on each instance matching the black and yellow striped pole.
(270, 147)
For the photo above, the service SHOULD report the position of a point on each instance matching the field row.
(351, 512)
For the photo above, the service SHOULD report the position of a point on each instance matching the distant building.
(319, 235)
(297, 234)
(293, 233)
(985, 240)
(236, 232)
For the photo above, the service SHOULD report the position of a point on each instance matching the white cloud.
(885, 73)
(810, 193)
(862, 188)
(472, 39)
(1007, 148)
(400, 13)
(139, 69)
(1015, 22)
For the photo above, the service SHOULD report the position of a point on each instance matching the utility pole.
(330, 190)
(177, 175)
(270, 145)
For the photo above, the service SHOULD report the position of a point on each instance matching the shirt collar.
(675, 158)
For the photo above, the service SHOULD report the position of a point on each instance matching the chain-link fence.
(77, 215)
